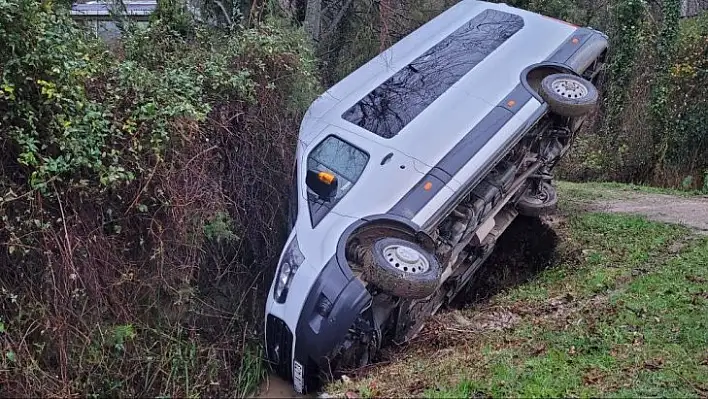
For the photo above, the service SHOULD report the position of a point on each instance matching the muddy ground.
(688, 211)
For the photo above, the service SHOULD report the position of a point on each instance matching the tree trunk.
(313, 18)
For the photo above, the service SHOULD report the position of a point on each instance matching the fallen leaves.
(592, 377)
(538, 349)
(654, 364)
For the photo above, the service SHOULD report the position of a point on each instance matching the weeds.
(141, 202)
(619, 315)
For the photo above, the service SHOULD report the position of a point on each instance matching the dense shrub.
(651, 127)
(140, 199)
(684, 146)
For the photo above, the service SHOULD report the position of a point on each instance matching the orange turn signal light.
(326, 177)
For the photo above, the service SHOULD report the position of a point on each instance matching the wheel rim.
(406, 259)
(569, 88)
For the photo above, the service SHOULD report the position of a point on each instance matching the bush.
(141, 201)
(651, 126)
(685, 93)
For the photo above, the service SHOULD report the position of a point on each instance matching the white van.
(410, 168)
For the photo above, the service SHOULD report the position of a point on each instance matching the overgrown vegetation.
(140, 197)
(620, 314)
(369, 28)
(651, 126)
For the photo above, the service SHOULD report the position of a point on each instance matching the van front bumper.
(335, 300)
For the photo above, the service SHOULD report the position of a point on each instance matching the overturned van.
(408, 171)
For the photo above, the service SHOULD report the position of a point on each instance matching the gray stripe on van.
(568, 48)
(453, 161)
(417, 198)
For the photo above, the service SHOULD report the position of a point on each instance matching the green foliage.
(251, 372)
(685, 98)
(220, 228)
(659, 104)
(120, 335)
(43, 92)
(629, 18)
(75, 112)
(131, 197)
(654, 92)
(571, 11)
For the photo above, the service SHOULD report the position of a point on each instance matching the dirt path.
(688, 211)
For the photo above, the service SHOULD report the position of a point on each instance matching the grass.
(624, 314)
(251, 372)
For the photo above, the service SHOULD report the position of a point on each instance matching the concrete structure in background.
(100, 17)
(691, 8)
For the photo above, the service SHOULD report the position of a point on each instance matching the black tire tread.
(569, 107)
(395, 282)
(531, 209)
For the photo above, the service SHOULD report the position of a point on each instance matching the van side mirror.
(324, 184)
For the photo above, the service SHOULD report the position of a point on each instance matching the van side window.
(340, 158)
(396, 102)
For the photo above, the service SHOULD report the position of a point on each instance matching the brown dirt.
(688, 211)
(275, 387)
(528, 247)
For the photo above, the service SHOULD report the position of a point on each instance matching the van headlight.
(292, 259)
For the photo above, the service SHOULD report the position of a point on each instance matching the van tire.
(543, 203)
(568, 95)
(384, 266)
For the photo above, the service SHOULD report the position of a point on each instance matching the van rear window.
(395, 103)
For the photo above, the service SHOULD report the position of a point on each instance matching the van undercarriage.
(462, 241)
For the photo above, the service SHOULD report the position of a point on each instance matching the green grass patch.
(599, 251)
(621, 316)
(637, 324)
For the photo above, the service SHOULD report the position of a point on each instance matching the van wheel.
(538, 201)
(401, 268)
(568, 95)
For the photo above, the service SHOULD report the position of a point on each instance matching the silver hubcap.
(569, 88)
(406, 259)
